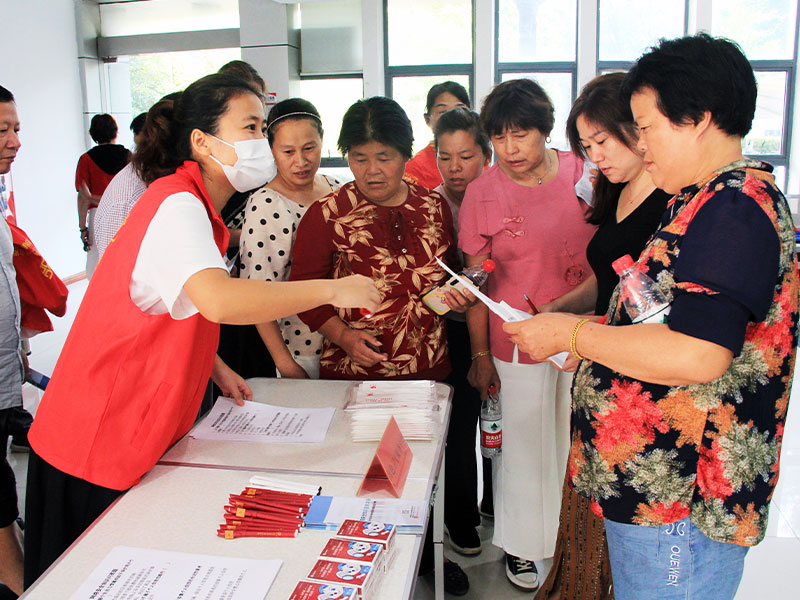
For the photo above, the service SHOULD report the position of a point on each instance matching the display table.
(179, 508)
(337, 454)
(178, 505)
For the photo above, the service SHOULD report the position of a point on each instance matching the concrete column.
(373, 54)
(269, 39)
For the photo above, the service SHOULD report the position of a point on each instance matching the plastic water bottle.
(477, 274)
(491, 425)
(642, 299)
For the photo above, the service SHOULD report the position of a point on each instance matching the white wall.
(41, 69)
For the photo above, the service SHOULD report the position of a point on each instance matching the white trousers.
(529, 473)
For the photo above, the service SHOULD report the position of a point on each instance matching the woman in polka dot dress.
(294, 130)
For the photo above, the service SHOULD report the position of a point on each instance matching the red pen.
(257, 502)
(263, 522)
(230, 535)
(249, 491)
(531, 304)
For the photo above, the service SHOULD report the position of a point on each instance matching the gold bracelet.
(481, 353)
(574, 338)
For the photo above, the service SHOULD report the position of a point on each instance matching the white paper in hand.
(509, 314)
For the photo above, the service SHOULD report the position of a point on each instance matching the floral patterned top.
(652, 454)
(344, 234)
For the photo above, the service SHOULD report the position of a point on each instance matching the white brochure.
(128, 572)
(256, 422)
(329, 512)
(503, 310)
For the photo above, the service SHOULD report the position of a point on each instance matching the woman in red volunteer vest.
(130, 378)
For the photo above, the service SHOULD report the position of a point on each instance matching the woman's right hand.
(356, 343)
(483, 374)
(355, 291)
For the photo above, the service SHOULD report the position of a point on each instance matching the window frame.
(503, 68)
(787, 66)
(430, 70)
(338, 161)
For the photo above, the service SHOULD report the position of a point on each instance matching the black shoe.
(456, 581)
(464, 540)
(486, 508)
(522, 573)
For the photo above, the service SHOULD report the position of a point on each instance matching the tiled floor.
(772, 569)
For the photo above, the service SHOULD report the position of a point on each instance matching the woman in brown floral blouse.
(389, 230)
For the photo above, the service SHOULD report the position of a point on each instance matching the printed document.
(256, 422)
(128, 572)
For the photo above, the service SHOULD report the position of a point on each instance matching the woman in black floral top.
(678, 425)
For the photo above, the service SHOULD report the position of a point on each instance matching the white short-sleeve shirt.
(178, 243)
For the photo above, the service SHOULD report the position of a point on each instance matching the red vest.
(127, 385)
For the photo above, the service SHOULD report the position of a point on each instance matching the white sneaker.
(522, 573)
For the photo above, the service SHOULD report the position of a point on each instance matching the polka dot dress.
(265, 250)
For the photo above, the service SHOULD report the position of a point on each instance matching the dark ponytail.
(154, 155)
(170, 122)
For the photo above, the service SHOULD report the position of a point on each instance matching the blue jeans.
(672, 562)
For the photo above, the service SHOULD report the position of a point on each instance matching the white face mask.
(254, 165)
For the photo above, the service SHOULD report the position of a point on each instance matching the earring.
(547, 139)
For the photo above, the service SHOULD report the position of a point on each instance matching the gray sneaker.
(522, 573)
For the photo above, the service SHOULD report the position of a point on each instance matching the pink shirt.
(537, 237)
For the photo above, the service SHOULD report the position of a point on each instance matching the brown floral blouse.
(344, 234)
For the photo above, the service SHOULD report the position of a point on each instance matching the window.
(423, 32)
(332, 97)
(537, 39)
(559, 87)
(152, 76)
(427, 42)
(536, 31)
(411, 93)
(765, 29)
(627, 28)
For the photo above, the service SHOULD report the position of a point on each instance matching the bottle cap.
(622, 263)
(492, 389)
(488, 265)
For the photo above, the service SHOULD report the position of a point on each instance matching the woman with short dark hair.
(442, 97)
(393, 231)
(524, 213)
(678, 424)
(389, 229)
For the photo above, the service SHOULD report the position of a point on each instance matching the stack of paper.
(413, 404)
